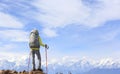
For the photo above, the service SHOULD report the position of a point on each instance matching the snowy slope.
(65, 65)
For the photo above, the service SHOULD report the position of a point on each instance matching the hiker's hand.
(46, 46)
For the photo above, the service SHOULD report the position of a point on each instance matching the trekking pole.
(29, 60)
(46, 60)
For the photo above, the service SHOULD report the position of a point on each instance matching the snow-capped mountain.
(64, 65)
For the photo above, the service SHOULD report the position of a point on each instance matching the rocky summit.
(23, 72)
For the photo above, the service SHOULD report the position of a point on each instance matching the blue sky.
(70, 27)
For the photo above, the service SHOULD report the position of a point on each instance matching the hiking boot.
(39, 69)
(34, 69)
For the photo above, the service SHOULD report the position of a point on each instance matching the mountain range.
(66, 65)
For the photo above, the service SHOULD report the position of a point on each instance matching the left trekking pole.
(29, 60)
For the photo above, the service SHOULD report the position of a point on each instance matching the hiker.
(35, 42)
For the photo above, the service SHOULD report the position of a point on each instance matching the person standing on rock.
(35, 42)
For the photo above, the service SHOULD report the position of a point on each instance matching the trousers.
(37, 52)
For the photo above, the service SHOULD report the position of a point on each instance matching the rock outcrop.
(23, 72)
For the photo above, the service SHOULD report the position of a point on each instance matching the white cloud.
(54, 14)
(14, 35)
(11, 55)
(9, 21)
(7, 47)
(7, 50)
(60, 13)
(10, 50)
(110, 35)
(49, 32)
(108, 10)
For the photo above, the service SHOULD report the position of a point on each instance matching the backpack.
(34, 39)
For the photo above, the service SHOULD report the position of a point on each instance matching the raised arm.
(41, 44)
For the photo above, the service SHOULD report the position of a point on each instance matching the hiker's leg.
(33, 59)
(39, 58)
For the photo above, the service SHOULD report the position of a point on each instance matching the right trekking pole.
(46, 61)
(46, 58)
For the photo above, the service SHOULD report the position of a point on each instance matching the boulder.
(36, 72)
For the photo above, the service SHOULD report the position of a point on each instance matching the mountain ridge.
(67, 64)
